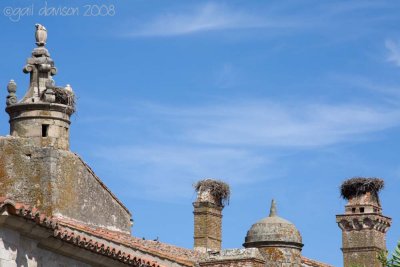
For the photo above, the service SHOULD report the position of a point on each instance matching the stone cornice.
(40, 106)
(367, 221)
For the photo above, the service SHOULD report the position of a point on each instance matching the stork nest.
(359, 185)
(64, 97)
(218, 189)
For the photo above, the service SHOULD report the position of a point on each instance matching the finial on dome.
(272, 212)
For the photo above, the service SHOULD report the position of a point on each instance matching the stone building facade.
(55, 211)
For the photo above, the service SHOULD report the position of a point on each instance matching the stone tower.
(363, 225)
(211, 196)
(277, 239)
(36, 164)
(44, 112)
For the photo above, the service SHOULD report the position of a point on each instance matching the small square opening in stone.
(353, 210)
(45, 130)
(362, 210)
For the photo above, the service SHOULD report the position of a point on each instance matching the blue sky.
(281, 99)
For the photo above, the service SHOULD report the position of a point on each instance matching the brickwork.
(366, 258)
(207, 226)
(361, 247)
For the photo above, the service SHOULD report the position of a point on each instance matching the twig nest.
(219, 190)
(360, 185)
(65, 97)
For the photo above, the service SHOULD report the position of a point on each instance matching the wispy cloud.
(265, 123)
(208, 17)
(169, 170)
(388, 91)
(394, 51)
(305, 15)
(236, 141)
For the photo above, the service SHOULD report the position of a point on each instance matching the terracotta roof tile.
(183, 256)
(67, 235)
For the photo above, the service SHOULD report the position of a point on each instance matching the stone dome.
(273, 231)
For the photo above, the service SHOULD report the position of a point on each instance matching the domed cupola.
(277, 239)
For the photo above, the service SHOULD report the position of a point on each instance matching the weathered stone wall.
(17, 250)
(234, 263)
(207, 226)
(362, 247)
(28, 120)
(368, 258)
(364, 238)
(281, 256)
(248, 257)
(58, 183)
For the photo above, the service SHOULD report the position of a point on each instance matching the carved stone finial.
(272, 212)
(40, 35)
(12, 89)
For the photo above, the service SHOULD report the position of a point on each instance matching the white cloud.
(394, 51)
(167, 171)
(264, 123)
(209, 17)
(240, 142)
(212, 16)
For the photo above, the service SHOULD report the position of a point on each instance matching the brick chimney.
(363, 225)
(211, 198)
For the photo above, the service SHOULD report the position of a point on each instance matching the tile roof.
(312, 263)
(181, 255)
(67, 235)
(80, 234)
